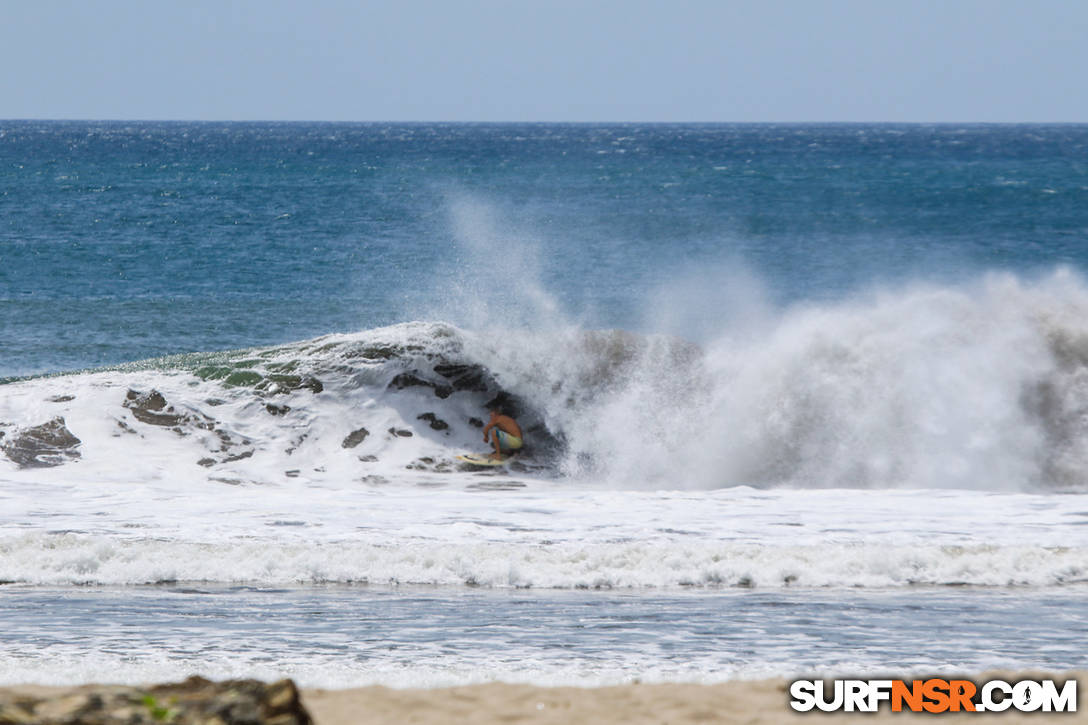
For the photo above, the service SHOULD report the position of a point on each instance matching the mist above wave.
(982, 385)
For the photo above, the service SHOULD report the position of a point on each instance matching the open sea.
(797, 398)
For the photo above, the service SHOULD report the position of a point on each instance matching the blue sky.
(547, 60)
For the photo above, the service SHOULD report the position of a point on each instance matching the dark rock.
(145, 401)
(355, 438)
(228, 449)
(296, 443)
(400, 432)
(60, 399)
(368, 459)
(464, 377)
(152, 408)
(427, 463)
(436, 422)
(277, 409)
(194, 701)
(228, 481)
(43, 446)
(125, 428)
(226, 442)
(281, 384)
(476, 422)
(410, 380)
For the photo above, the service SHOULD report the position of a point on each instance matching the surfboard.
(481, 459)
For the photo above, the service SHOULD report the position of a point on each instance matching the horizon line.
(540, 123)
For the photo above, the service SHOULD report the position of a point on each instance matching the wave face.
(976, 387)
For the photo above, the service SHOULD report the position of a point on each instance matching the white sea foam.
(52, 559)
(542, 536)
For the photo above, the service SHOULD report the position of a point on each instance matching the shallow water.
(421, 636)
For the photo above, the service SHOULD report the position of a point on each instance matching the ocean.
(797, 398)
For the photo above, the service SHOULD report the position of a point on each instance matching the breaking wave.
(981, 386)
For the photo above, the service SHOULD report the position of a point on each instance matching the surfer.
(503, 432)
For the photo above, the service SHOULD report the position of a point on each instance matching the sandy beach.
(736, 702)
(752, 703)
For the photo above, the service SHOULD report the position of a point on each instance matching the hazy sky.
(546, 60)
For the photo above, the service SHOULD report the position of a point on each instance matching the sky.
(546, 60)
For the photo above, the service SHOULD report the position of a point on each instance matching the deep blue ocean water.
(122, 241)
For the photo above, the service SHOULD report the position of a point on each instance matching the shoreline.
(752, 702)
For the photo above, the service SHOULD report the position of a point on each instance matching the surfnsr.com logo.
(933, 695)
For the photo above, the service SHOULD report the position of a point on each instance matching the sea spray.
(974, 386)
(977, 386)
(497, 281)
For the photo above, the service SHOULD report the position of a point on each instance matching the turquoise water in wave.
(123, 241)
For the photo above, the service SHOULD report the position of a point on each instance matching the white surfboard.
(482, 459)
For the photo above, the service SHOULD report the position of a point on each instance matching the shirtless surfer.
(503, 432)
